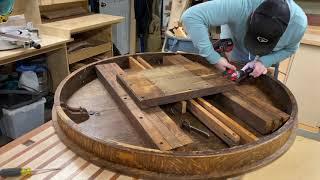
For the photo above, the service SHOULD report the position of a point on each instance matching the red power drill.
(237, 75)
(222, 45)
(226, 45)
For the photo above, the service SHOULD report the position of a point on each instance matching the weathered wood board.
(261, 116)
(156, 124)
(173, 83)
(220, 129)
(246, 135)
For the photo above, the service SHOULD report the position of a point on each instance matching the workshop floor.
(301, 162)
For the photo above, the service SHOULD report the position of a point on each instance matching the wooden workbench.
(53, 47)
(41, 148)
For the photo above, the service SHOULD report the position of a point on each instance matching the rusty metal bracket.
(78, 115)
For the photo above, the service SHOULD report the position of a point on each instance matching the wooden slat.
(62, 166)
(163, 117)
(50, 152)
(144, 63)
(105, 175)
(35, 135)
(135, 65)
(87, 172)
(164, 130)
(22, 158)
(79, 24)
(262, 121)
(48, 156)
(181, 107)
(88, 52)
(71, 169)
(172, 126)
(246, 136)
(221, 130)
(284, 117)
(107, 74)
(64, 12)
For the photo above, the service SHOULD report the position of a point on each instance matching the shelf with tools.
(91, 35)
(89, 44)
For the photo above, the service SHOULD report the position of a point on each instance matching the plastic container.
(17, 122)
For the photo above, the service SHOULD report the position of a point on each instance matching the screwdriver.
(14, 172)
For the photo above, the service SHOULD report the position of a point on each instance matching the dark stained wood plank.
(167, 121)
(149, 123)
(246, 136)
(249, 112)
(220, 129)
(164, 130)
(107, 74)
(263, 105)
(174, 83)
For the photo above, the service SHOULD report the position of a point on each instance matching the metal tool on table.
(15, 32)
(25, 38)
(15, 172)
(187, 125)
(78, 114)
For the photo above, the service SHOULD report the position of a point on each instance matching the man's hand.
(223, 64)
(258, 68)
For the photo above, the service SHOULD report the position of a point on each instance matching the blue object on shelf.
(35, 68)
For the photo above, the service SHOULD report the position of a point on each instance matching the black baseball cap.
(266, 25)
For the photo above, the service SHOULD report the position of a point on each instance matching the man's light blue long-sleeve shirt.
(233, 14)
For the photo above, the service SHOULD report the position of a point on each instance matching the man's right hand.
(223, 64)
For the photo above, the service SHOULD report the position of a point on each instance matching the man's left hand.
(259, 69)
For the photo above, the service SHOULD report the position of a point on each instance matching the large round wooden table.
(110, 140)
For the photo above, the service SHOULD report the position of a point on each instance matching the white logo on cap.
(262, 39)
